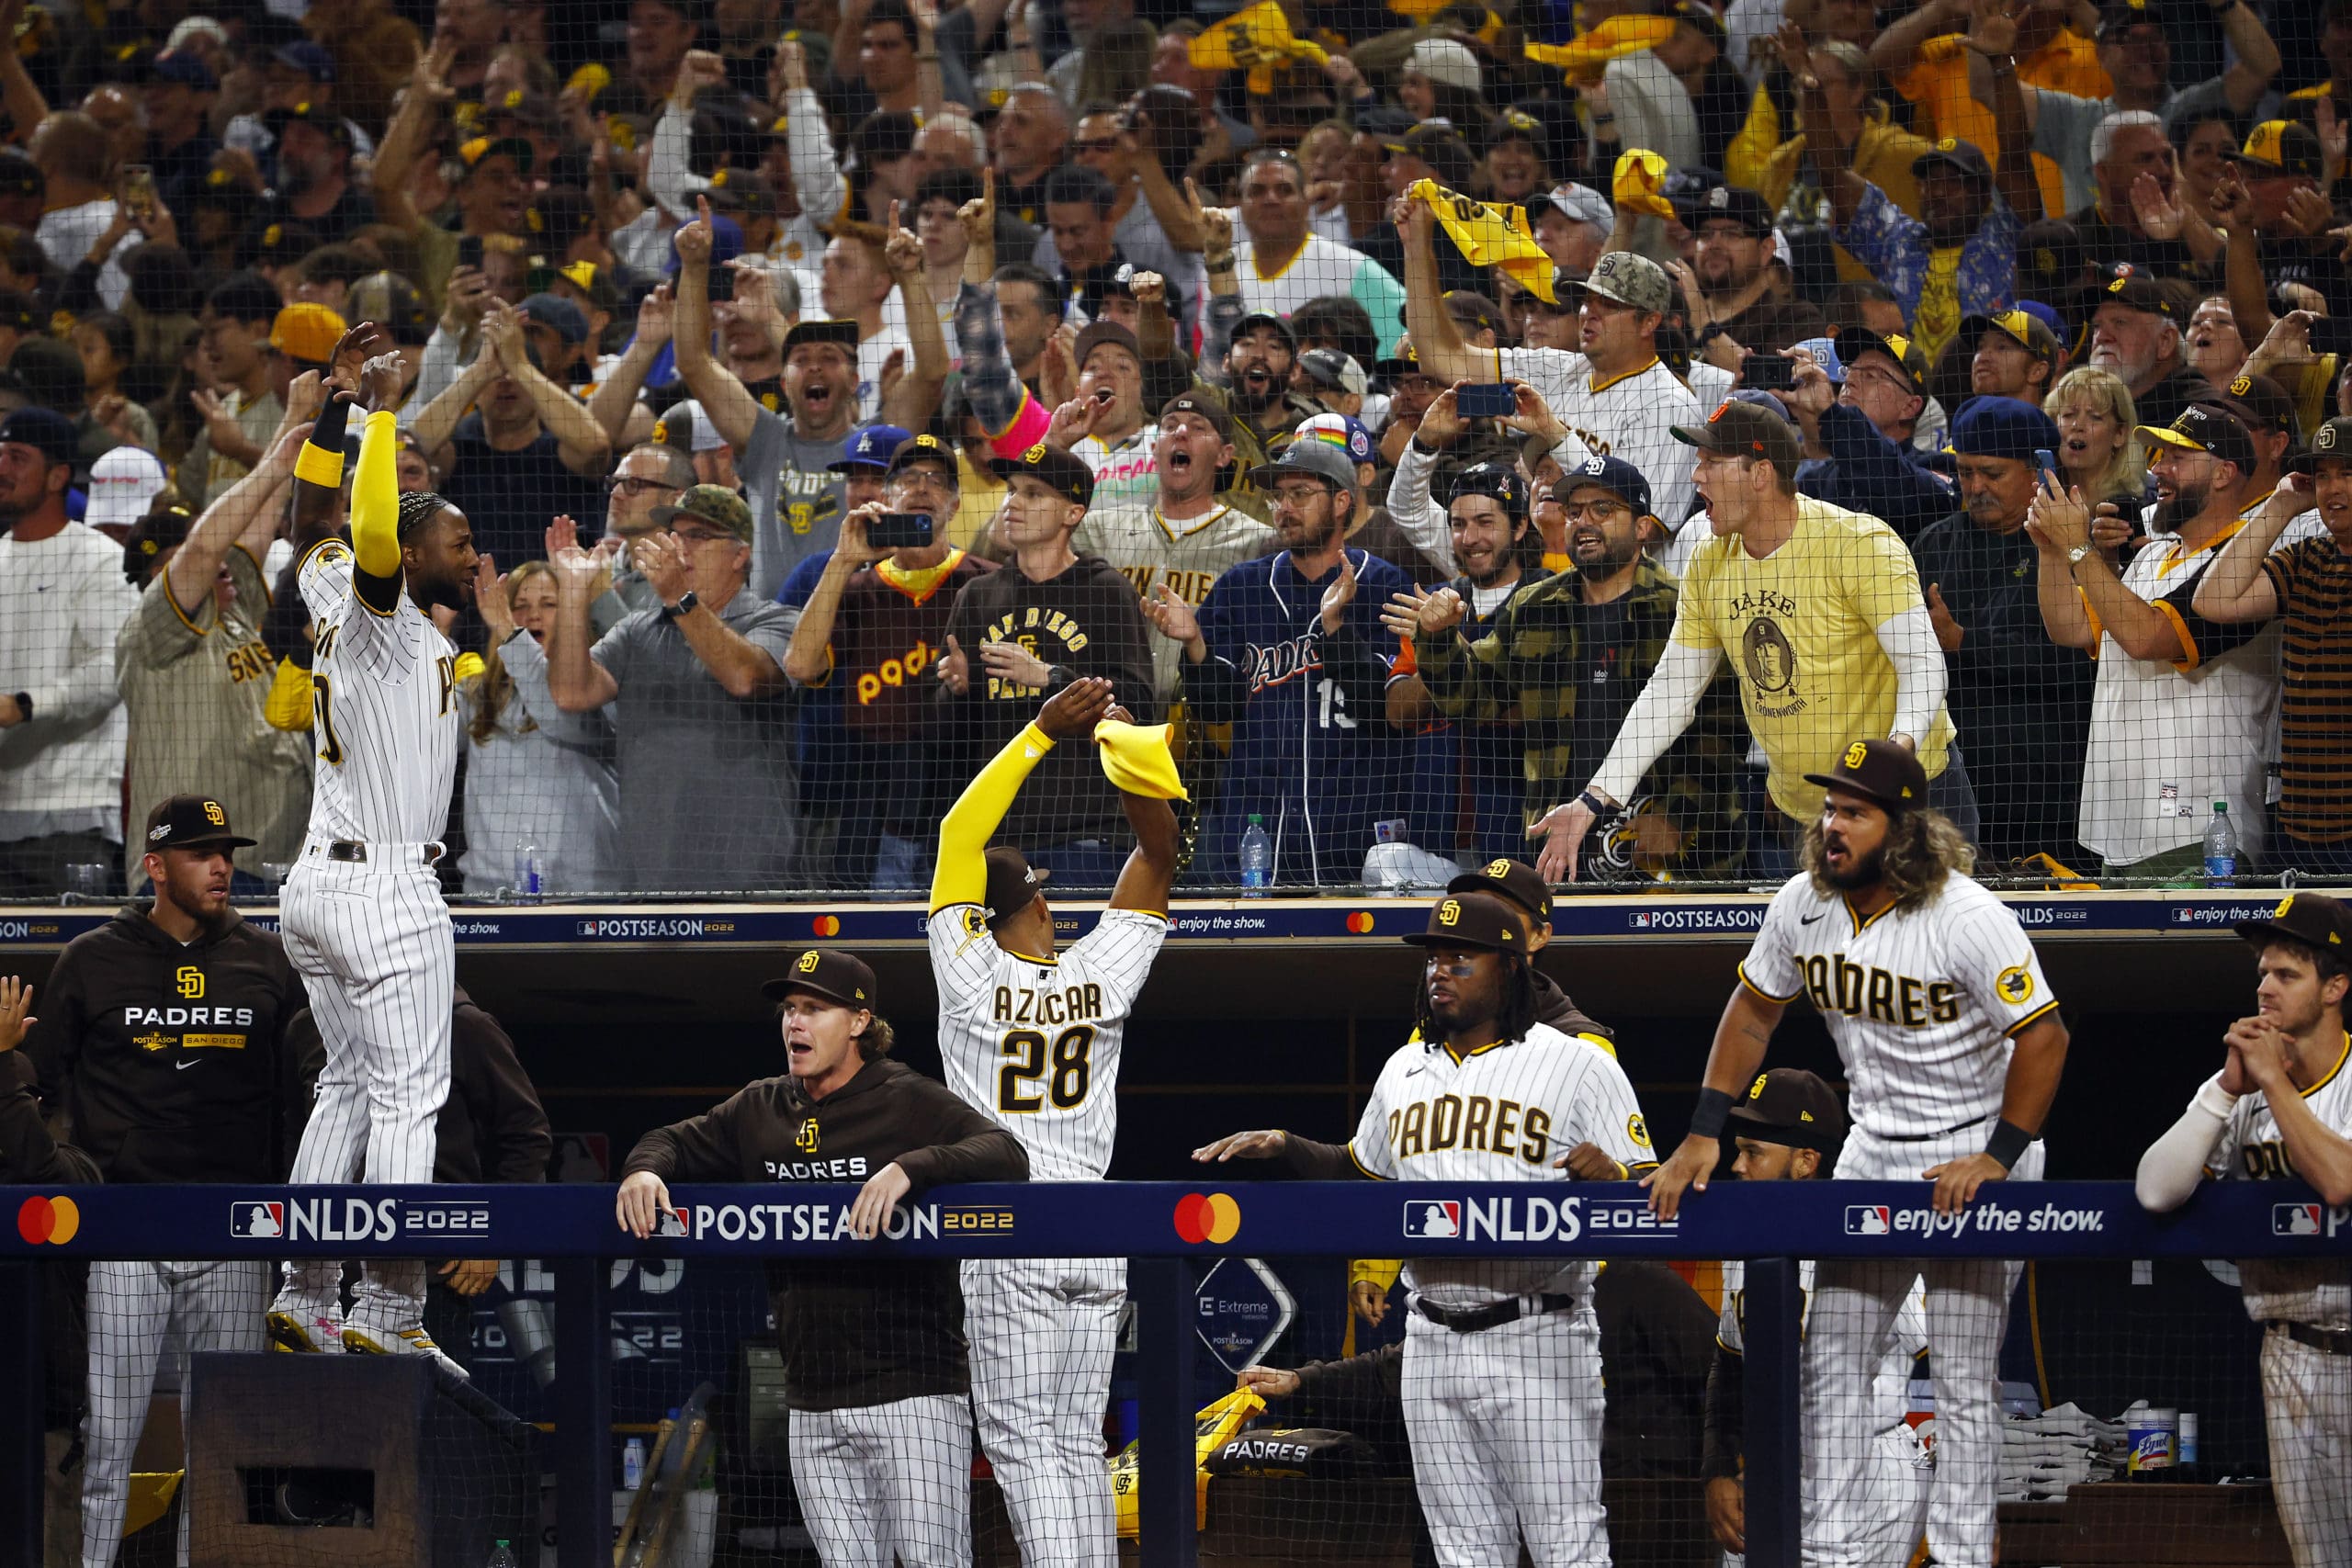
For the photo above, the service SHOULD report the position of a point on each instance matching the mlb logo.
(1441, 1221)
(261, 1220)
(666, 1223)
(1641, 922)
(1868, 1219)
(2294, 1219)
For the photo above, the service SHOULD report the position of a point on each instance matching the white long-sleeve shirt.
(63, 601)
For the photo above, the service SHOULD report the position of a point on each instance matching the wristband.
(1591, 802)
(1713, 1110)
(2007, 1142)
(1221, 261)
(315, 464)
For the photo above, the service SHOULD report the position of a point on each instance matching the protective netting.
(1182, 300)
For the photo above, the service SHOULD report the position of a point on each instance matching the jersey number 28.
(1062, 1068)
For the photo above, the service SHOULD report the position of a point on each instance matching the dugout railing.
(1168, 1232)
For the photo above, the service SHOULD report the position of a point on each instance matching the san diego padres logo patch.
(1637, 1130)
(2015, 985)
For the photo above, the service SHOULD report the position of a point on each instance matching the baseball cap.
(1219, 420)
(1953, 153)
(1736, 203)
(1437, 144)
(595, 281)
(392, 301)
(841, 333)
(1743, 429)
(1474, 920)
(1904, 355)
(1101, 332)
(1879, 771)
(1632, 279)
(871, 447)
(2118, 16)
(2021, 326)
(2267, 402)
(828, 973)
(1011, 885)
(19, 176)
(686, 419)
(2282, 147)
(1791, 1106)
(1472, 309)
(311, 59)
(2002, 428)
(2333, 439)
(278, 244)
(184, 69)
(306, 332)
(1066, 473)
(474, 152)
(1331, 369)
(1513, 880)
(1266, 319)
(2203, 427)
(1582, 203)
(1344, 431)
(1448, 60)
(1612, 474)
(1515, 124)
(710, 503)
(326, 122)
(1313, 457)
(2127, 284)
(567, 319)
(2313, 917)
(45, 430)
(123, 484)
(162, 528)
(925, 447)
(1499, 481)
(1824, 354)
(190, 821)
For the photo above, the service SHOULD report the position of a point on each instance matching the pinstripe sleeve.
(1369, 1147)
(962, 953)
(1608, 1115)
(1995, 959)
(1119, 951)
(1770, 968)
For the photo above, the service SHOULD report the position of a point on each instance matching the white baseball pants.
(1505, 1425)
(1043, 1331)
(890, 1480)
(2307, 1407)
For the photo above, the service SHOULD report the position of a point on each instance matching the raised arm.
(2235, 588)
(22, 101)
(375, 486)
(732, 410)
(1150, 872)
(581, 442)
(615, 399)
(2258, 55)
(1897, 46)
(1436, 339)
(436, 420)
(1832, 159)
(2059, 526)
(809, 661)
(405, 140)
(916, 397)
(1993, 35)
(576, 682)
(247, 510)
(962, 875)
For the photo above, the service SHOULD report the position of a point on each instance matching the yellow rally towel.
(1491, 236)
(1136, 759)
(150, 1498)
(1419, 10)
(1212, 1429)
(1257, 40)
(1585, 53)
(1639, 183)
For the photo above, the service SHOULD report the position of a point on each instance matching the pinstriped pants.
(134, 1308)
(887, 1483)
(374, 948)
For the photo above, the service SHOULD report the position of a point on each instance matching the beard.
(2183, 507)
(1863, 872)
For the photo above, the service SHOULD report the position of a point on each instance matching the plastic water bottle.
(1257, 859)
(2221, 849)
(501, 1556)
(530, 876)
(633, 1464)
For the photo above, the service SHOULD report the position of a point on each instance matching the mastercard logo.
(1207, 1217)
(826, 925)
(55, 1220)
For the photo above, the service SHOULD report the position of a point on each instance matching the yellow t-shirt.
(1938, 83)
(1800, 627)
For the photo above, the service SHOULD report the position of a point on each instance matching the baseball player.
(162, 1033)
(1489, 1094)
(2280, 1108)
(1952, 1047)
(875, 1378)
(363, 915)
(1789, 1125)
(1030, 1037)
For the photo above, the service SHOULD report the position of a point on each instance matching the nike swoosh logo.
(1807, 920)
(182, 1067)
(43, 587)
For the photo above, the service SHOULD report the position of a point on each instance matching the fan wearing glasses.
(649, 475)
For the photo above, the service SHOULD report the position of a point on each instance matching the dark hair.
(419, 507)
(121, 341)
(1075, 182)
(245, 297)
(1169, 124)
(954, 186)
(2185, 125)
(892, 12)
(163, 279)
(336, 264)
(1921, 846)
(2327, 964)
(24, 251)
(51, 374)
(1342, 320)
(1846, 304)
(1035, 276)
(1513, 1019)
(723, 135)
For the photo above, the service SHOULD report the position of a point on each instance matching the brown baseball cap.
(2206, 427)
(1474, 920)
(2323, 922)
(1513, 879)
(1879, 771)
(1219, 420)
(1743, 429)
(1012, 886)
(1788, 1105)
(2333, 439)
(828, 973)
(1064, 471)
(191, 821)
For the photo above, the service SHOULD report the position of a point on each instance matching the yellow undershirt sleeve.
(376, 499)
(964, 832)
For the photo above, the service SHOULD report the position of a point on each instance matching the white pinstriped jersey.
(1907, 1336)
(1032, 1043)
(1923, 1002)
(2250, 1149)
(1504, 1112)
(385, 711)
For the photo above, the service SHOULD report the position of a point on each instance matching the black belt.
(353, 851)
(2330, 1341)
(1931, 1137)
(1470, 1320)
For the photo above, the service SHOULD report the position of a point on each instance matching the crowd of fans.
(1478, 431)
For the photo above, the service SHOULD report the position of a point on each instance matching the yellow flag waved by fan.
(1136, 759)
(1491, 236)
(1585, 53)
(1257, 40)
(1419, 10)
(1639, 183)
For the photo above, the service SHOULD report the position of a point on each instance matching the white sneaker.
(366, 1339)
(305, 1327)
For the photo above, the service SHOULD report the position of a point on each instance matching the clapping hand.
(1340, 595)
(1418, 613)
(1169, 615)
(16, 1008)
(489, 598)
(1016, 665)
